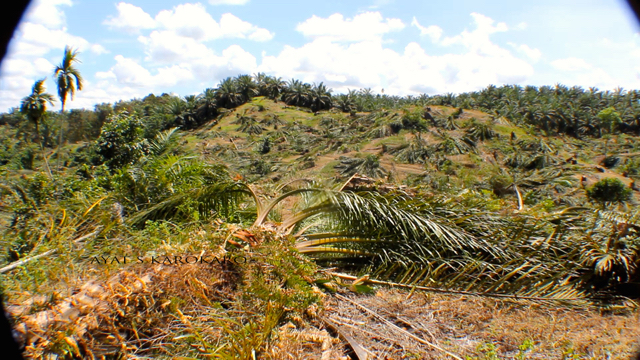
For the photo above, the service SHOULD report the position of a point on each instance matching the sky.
(129, 49)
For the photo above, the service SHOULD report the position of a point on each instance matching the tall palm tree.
(34, 106)
(69, 80)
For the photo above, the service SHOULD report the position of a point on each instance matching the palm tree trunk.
(60, 136)
(44, 154)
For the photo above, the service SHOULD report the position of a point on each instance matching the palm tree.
(274, 88)
(69, 80)
(207, 108)
(297, 93)
(247, 87)
(228, 94)
(320, 97)
(34, 106)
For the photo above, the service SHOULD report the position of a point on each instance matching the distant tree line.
(553, 110)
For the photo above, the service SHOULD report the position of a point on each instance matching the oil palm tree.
(207, 108)
(69, 81)
(297, 93)
(320, 97)
(228, 94)
(247, 87)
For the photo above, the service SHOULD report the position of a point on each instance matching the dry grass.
(230, 311)
(463, 324)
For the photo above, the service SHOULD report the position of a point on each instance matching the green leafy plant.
(609, 190)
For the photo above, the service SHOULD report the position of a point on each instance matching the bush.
(610, 161)
(27, 157)
(609, 190)
(632, 167)
(121, 141)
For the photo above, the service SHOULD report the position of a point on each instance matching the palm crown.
(35, 105)
(67, 76)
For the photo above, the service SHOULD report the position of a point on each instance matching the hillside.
(327, 226)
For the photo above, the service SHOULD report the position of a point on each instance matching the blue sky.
(133, 48)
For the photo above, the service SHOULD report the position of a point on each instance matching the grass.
(272, 307)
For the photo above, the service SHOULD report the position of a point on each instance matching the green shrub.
(609, 190)
(121, 140)
(632, 167)
(27, 158)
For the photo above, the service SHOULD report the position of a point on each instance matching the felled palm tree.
(437, 244)
(480, 131)
(369, 166)
(34, 106)
(414, 152)
(69, 81)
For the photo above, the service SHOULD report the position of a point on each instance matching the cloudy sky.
(136, 47)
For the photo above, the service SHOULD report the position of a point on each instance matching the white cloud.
(261, 35)
(367, 63)
(478, 39)
(193, 21)
(521, 26)
(576, 71)
(367, 26)
(433, 31)
(190, 20)
(234, 27)
(228, 2)
(46, 12)
(168, 47)
(37, 40)
(98, 49)
(205, 66)
(128, 72)
(533, 54)
(130, 18)
(186, 28)
(571, 64)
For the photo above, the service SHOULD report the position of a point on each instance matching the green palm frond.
(220, 199)
(369, 166)
(163, 141)
(393, 223)
(413, 152)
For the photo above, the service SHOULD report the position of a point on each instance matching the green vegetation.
(481, 194)
(609, 190)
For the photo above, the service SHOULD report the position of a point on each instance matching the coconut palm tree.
(69, 81)
(34, 106)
